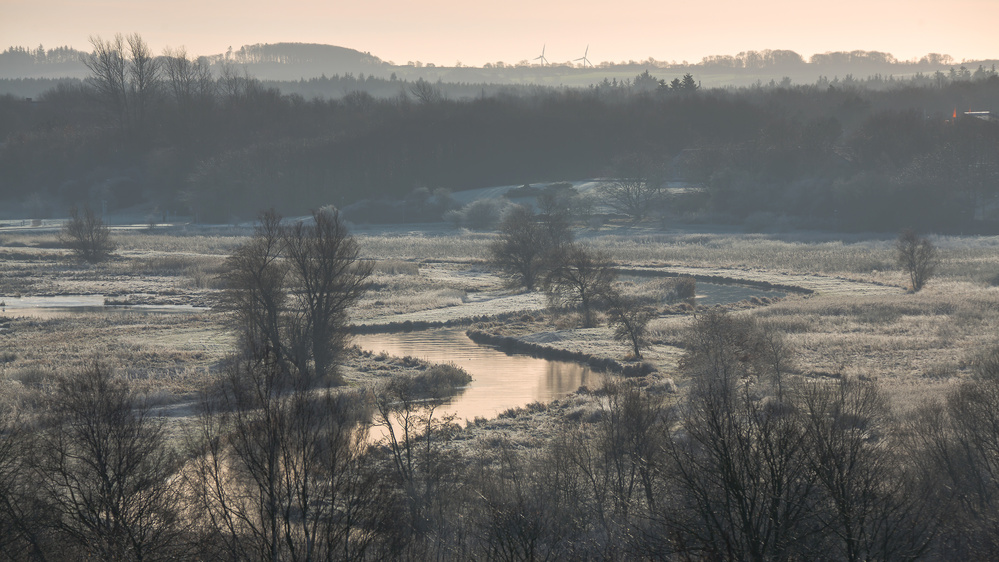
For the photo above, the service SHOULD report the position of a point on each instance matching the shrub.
(396, 267)
(917, 257)
(630, 321)
(679, 288)
(87, 236)
(523, 249)
(483, 214)
(526, 190)
(446, 375)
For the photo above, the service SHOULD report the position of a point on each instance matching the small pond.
(44, 308)
(500, 382)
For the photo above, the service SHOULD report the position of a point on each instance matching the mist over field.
(292, 301)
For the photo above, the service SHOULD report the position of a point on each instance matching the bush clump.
(483, 214)
(87, 236)
(677, 289)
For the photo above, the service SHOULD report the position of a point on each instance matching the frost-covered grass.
(859, 322)
(455, 245)
(868, 258)
(162, 354)
(903, 340)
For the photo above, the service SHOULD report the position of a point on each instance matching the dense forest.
(218, 144)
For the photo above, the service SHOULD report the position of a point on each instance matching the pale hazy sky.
(446, 31)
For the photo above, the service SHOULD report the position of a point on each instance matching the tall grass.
(963, 258)
(462, 245)
(396, 267)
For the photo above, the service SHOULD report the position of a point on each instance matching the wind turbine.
(583, 58)
(542, 57)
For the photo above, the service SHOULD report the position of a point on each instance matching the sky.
(445, 32)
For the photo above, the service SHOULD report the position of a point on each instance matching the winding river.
(500, 382)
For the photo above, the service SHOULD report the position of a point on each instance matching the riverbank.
(842, 306)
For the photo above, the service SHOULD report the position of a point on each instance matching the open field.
(151, 315)
(857, 321)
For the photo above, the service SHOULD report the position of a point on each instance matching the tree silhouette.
(86, 234)
(917, 257)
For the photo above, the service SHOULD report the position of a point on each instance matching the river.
(500, 382)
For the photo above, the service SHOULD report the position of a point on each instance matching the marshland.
(151, 316)
(726, 324)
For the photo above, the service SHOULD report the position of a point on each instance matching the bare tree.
(328, 279)
(144, 77)
(916, 256)
(722, 349)
(776, 354)
(233, 86)
(254, 280)
(958, 444)
(109, 75)
(290, 289)
(581, 278)
(742, 469)
(523, 247)
(425, 464)
(104, 469)
(279, 475)
(23, 514)
(519, 516)
(630, 319)
(620, 462)
(872, 509)
(634, 197)
(86, 234)
(640, 190)
(556, 205)
(426, 92)
(180, 72)
(191, 86)
(125, 75)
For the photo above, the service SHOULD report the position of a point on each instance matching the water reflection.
(500, 382)
(46, 308)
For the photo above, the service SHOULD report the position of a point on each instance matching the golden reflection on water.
(500, 381)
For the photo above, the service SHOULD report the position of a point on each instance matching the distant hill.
(302, 62)
(279, 61)
(304, 53)
(292, 61)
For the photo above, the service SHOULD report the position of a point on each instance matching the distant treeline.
(303, 53)
(303, 61)
(878, 153)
